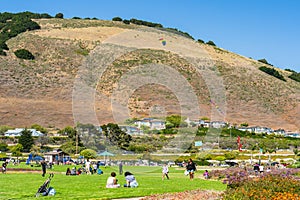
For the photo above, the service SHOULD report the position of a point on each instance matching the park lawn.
(24, 185)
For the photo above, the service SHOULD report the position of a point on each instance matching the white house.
(218, 124)
(131, 130)
(153, 124)
(17, 132)
(257, 129)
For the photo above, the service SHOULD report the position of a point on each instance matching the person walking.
(120, 168)
(87, 167)
(44, 165)
(4, 165)
(165, 171)
(191, 168)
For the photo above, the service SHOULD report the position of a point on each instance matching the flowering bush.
(245, 184)
(267, 187)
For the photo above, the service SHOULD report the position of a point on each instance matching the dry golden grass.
(40, 91)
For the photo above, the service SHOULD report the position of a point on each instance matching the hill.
(95, 71)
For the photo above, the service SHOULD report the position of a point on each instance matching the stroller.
(45, 189)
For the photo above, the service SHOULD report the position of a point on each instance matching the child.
(112, 182)
(206, 175)
(130, 180)
(165, 171)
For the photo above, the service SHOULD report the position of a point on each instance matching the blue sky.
(253, 28)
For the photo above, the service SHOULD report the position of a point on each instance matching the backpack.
(51, 191)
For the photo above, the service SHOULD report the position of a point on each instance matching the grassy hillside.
(40, 90)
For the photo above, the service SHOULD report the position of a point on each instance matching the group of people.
(112, 181)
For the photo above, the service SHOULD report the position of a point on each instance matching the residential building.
(17, 132)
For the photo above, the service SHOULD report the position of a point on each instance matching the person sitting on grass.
(112, 181)
(68, 172)
(130, 180)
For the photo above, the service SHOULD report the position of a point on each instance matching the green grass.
(25, 185)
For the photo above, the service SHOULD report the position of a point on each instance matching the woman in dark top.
(191, 168)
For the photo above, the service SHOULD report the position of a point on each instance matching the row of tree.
(12, 24)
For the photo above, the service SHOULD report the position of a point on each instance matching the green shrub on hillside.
(290, 70)
(178, 32)
(14, 24)
(200, 41)
(272, 72)
(24, 54)
(119, 19)
(264, 61)
(59, 15)
(145, 23)
(295, 76)
(125, 21)
(211, 43)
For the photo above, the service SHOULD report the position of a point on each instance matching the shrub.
(125, 21)
(59, 15)
(289, 70)
(268, 187)
(178, 32)
(119, 19)
(264, 61)
(3, 147)
(145, 23)
(200, 41)
(211, 43)
(272, 72)
(295, 76)
(24, 54)
(2, 53)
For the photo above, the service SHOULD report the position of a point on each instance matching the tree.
(244, 124)
(16, 150)
(26, 140)
(125, 21)
(74, 144)
(88, 153)
(173, 121)
(59, 15)
(200, 41)
(39, 128)
(3, 147)
(264, 61)
(272, 72)
(69, 131)
(24, 54)
(229, 156)
(211, 43)
(119, 19)
(90, 136)
(43, 140)
(116, 136)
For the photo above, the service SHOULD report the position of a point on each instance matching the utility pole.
(76, 142)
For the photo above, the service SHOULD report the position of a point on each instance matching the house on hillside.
(279, 132)
(153, 124)
(257, 129)
(17, 132)
(203, 123)
(217, 124)
(131, 130)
